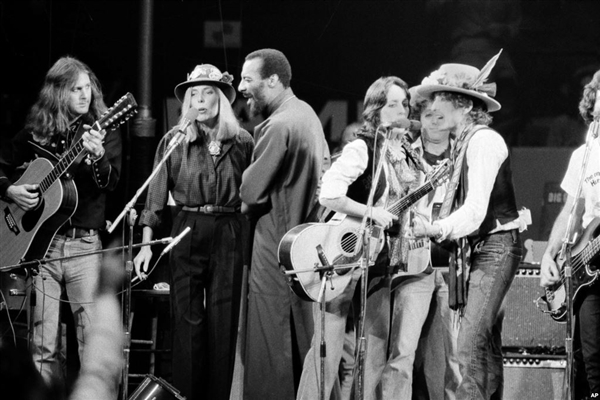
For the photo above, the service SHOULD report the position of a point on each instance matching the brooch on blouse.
(214, 148)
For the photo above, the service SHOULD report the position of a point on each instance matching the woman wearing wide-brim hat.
(479, 218)
(203, 174)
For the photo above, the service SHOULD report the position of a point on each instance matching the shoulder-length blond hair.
(229, 125)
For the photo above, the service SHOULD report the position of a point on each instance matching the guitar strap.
(460, 257)
(402, 179)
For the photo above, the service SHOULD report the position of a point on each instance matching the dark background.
(337, 49)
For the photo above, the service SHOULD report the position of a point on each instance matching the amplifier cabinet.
(525, 326)
(534, 377)
(14, 292)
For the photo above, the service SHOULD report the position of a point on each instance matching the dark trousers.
(587, 338)
(206, 274)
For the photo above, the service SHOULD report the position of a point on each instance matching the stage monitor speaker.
(534, 377)
(526, 326)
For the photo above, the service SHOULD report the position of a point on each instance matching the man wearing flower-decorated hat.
(479, 219)
(203, 175)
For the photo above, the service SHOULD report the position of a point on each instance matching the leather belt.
(211, 209)
(74, 232)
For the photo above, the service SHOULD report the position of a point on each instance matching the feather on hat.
(465, 79)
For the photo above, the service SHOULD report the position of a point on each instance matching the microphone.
(175, 241)
(323, 258)
(189, 117)
(404, 123)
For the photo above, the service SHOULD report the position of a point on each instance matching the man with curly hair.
(480, 220)
(587, 301)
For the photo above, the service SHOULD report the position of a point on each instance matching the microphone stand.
(176, 141)
(129, 208)
(166, 240)
(361, 348)
(565, 252)
(327, 272)
(126, 303)
(31, 271)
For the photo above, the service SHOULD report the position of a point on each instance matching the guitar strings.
(578, 263)
(402, 204)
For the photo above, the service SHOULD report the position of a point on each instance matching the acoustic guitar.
(424, 254)
(339, 242)
(27, 235)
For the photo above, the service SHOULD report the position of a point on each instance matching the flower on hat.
(437, 77)
(206, 74)
(215, 75)
(459, 80)
(464, 80)
(211, 73)
(227, 77)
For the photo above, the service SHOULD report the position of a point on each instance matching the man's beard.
(258, 103)
(257, 107)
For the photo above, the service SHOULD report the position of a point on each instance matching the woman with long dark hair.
(345, 188)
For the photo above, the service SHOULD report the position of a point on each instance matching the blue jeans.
(376, 325)
(494, 262)
(412, 305)
(587, 332)
(78, 277)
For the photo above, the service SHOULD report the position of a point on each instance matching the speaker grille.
(534, 378)
(525, 326)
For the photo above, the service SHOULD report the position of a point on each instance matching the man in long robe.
(279, 190)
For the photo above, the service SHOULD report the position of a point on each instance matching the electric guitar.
(584, 268)
(26, 235)
(339, 242)
(424, 254)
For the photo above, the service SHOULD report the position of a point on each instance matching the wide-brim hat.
(206, 74)
(465, 79)
(415, 97)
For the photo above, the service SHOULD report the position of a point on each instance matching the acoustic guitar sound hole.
(31, 217)
(348, 244)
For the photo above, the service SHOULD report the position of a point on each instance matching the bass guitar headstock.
(440, 173)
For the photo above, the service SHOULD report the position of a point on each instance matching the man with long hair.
(479, 216)
(587, 300)
(68, 104)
